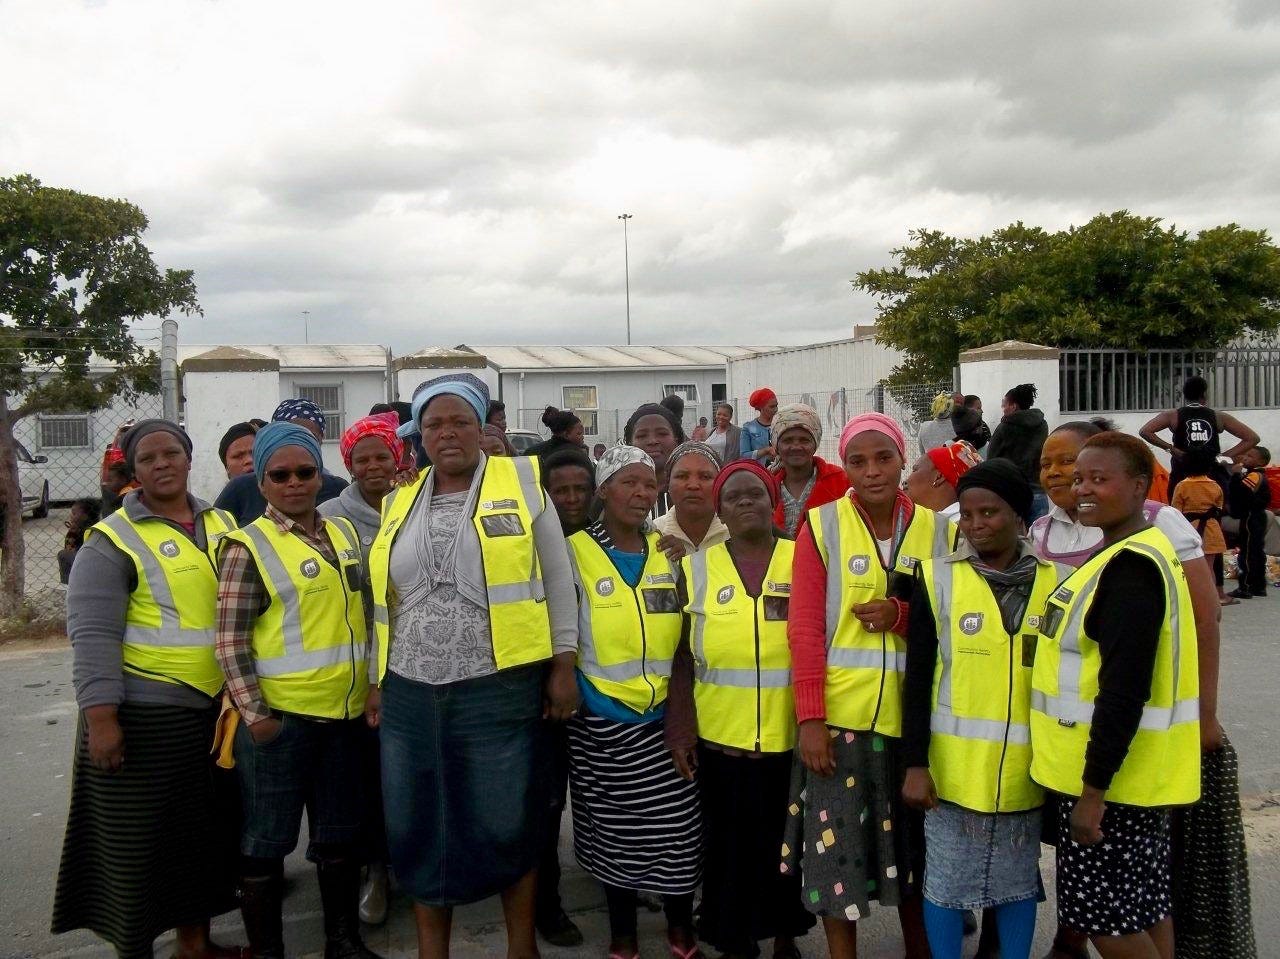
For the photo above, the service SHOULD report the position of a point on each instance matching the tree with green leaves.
(74, 277)
(1120, 281)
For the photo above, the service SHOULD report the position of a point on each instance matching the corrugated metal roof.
(611, 357)
(308, 355)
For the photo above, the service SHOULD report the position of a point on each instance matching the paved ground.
(37, 719)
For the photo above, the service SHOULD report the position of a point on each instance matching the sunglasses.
(280, 477)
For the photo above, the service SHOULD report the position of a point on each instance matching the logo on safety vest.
(858, 565)
(971, 624)
(724, 595)
(1063, 595)
(778, 587)
(604, 586)
(169, 548)
(309, 568)
(653, 579)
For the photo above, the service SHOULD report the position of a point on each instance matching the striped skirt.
(636, 823)
(152, 846)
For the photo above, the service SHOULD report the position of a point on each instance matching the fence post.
(844, 406)
(169, 369)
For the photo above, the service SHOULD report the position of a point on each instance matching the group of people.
(790, 685)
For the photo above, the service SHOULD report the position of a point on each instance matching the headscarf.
(954, 460)
(761, 398)
(692, 446)
(129, 442)
(940, 404)
(276, 436)
(751, 466)
(873, 423)
(296, 409)
(793, 415)
(380, 425)
(470, 389)
(237, 432)
(616, 458)
(490, 430)
(653, 409)
(1004, 479)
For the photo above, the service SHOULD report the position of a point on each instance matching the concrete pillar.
(224, 386)
(408, 371)
(991, 371)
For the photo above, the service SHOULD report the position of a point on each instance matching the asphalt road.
(37, 725)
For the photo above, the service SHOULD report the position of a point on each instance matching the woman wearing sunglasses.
(291, 640)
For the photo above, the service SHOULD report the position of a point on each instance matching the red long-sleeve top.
(807, 620)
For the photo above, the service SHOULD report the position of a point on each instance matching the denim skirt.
(978, 860)
(464, 784)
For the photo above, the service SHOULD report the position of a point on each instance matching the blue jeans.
(309, 765)
(1039, 506)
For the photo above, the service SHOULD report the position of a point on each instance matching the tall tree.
(74, 277)
(1119, 281)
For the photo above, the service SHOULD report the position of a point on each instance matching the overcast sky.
(420, 174)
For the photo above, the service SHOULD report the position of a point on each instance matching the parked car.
(523, 439)
(33, 481)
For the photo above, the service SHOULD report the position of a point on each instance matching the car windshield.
(23, 455)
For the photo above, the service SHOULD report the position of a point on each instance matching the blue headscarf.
(276, 436)
(470, 389)
(296, 409)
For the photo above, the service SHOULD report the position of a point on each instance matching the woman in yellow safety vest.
(475, 620)
(141, 604)
(636, 822)
(732, 720)
(966, 712)
(1114, 710)
(854, 562)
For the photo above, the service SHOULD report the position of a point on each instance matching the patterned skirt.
(636, 823)
(849, 836)
(154, 845)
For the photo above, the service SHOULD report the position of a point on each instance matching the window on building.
(65, 432)
(585, 402)
(719, 393)
(329, 399)
(686, 391)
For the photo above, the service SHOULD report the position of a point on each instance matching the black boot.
(261, 905)
(340, 898)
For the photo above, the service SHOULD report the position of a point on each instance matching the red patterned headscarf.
(381, 425)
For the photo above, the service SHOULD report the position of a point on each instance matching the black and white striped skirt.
(152, 846)
(636, 823)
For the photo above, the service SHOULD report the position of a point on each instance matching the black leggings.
(1218, 571)
(622, 911)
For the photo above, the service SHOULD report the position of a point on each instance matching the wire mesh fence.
(63, 478)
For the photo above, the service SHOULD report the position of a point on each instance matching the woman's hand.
(877, 616)
(685, 759)
(106, 738)
(816, 749)
(918, 791)
(1211, 734)
(373, 707)
(673, 547)
(1086, 817)
(265, 730)
(560, 700)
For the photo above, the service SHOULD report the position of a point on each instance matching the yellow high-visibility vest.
(1162, 767)
(310, 649)
(510, 499)
(742, 661)
(169, 626)
(865, 669)
(627, 637)
(980, 741)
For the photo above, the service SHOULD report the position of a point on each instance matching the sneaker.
(559, 930)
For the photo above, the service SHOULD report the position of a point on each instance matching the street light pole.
(306, 326)
(626, 265)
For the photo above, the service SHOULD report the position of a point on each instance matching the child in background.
(1250, 497)
(1199, 498)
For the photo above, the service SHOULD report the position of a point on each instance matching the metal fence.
(1119, 381)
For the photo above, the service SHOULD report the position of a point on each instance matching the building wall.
(618, 393)
(818, 369)
(407, 380)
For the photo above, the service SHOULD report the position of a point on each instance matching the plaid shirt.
(242, 597)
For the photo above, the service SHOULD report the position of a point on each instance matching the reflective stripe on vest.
(309, 645)
(864, 669)
(511, 499)
(624, 649)
(169, 625)
(742, 660)
(1162, 764)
